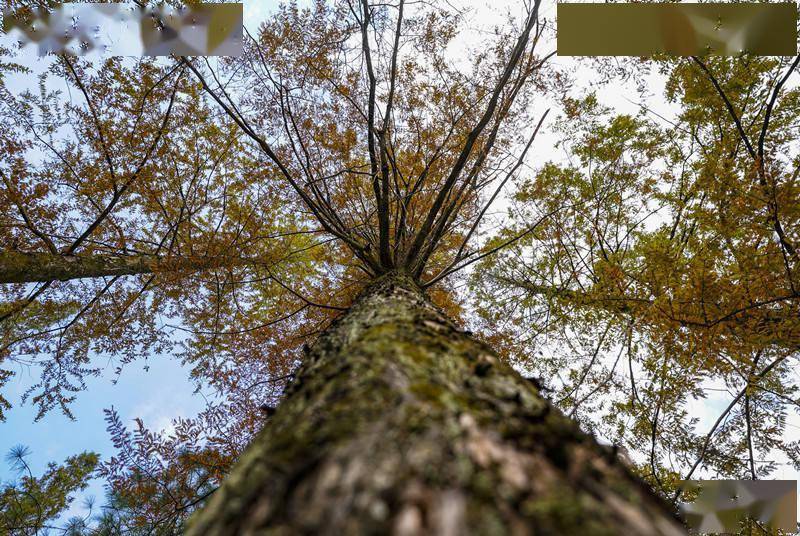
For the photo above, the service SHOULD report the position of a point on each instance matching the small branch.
(727, 410)
(729, 106)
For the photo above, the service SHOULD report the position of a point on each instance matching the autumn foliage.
(225, 212)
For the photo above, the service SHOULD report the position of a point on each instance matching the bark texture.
(399, 423)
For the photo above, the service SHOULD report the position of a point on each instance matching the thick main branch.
(19, 267)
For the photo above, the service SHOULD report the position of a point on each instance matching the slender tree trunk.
(19, 267)
(399, 423)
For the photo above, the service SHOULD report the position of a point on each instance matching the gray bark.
(400, 423)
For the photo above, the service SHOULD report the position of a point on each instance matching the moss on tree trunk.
(399, 423)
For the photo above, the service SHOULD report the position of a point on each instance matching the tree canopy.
(676, 260)
(224, 212)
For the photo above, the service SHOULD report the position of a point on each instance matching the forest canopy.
(226, 212)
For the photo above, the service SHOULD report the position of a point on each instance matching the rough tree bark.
(400, 423)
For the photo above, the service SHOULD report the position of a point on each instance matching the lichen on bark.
(400, 423)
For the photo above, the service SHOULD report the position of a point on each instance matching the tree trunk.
(399, 423)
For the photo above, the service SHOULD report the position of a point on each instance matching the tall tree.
(397, 420)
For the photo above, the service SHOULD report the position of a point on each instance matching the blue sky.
(156, 396)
